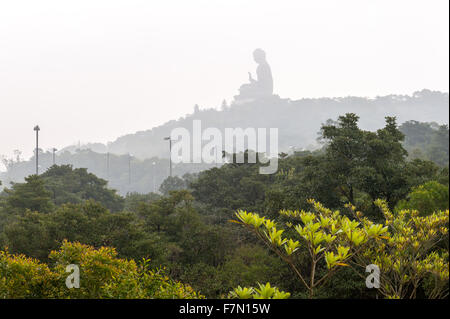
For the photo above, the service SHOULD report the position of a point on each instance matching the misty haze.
(94, 95)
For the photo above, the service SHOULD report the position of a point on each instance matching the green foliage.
(410, 254)
(428, 141)
(262, 292)
(404, 247)
(347, 283)
(35, 234)
(355, 166)
(102, 275)
(157, 212)
(246, 265)
(366, 161)
(172, 183)
(30, 195)
(419, 172)
(232, 186)
(301, 177)
(427, 198)
(134, 200)
(185, 229)
(326, 235)
(69, 185)
(23, 277)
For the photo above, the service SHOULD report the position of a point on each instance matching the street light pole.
(107, 166)
(54, 157)
(170, 154)
(37, 129)
(129, 169)
(154, 177)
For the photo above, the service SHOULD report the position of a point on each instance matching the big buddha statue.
(262, 86)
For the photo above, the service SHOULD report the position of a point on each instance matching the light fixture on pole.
(170, 154)
(129, 168)
(154, 177)
(37, 129)
(54, 156)
(107, 165)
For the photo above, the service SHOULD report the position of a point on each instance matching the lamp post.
(129, 168)
(54, 156)
(170, 154)
(37, 129)
(154, 177)
(107, 165)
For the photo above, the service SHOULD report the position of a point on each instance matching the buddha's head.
(259, 56)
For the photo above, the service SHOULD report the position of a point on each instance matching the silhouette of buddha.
(263, 85)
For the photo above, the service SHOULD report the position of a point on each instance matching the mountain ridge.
(310, 113)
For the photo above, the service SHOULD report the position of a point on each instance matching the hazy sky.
(94, 70)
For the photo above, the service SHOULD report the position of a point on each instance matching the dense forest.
(363, 197)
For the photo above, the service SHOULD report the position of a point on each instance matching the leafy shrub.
(102, 275)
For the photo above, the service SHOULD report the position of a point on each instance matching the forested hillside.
(359, 200)
(423, 118)
(426, 141)
(297, 120)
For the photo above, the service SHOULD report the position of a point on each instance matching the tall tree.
(364, 161)
(69, 185)
(31, 195)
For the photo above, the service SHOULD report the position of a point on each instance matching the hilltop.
(298, 121)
